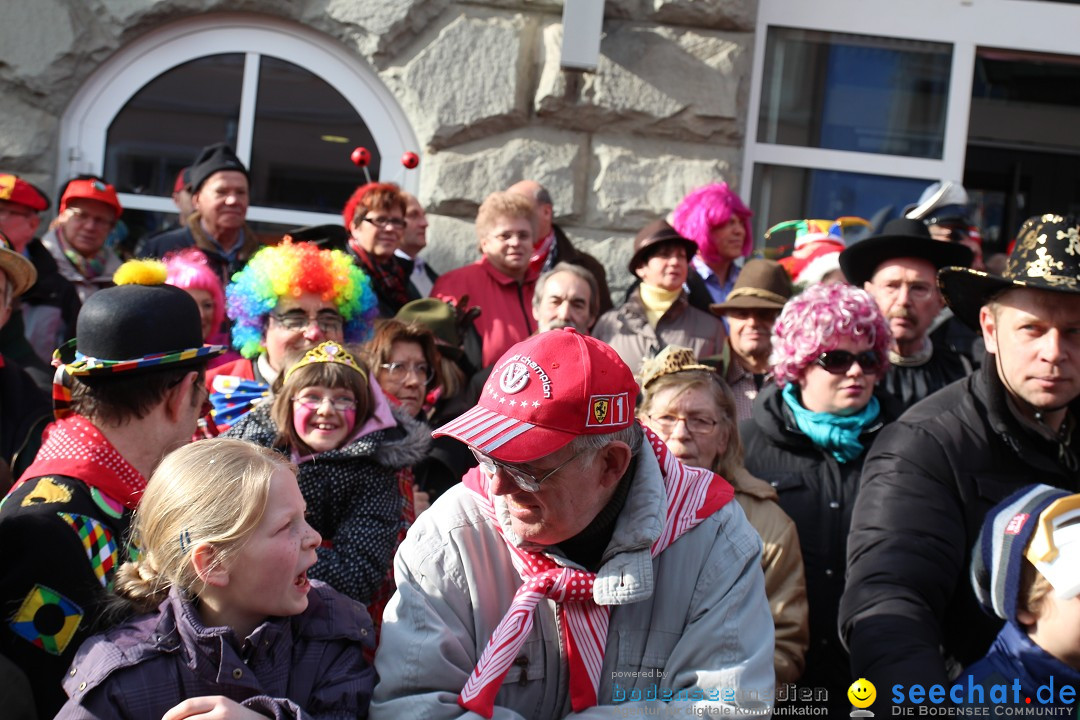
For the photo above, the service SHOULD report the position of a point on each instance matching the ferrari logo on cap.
(514, 378)
(599, 410)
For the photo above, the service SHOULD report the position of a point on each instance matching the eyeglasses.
(381, 222)
(838, 362)
(695, 424)
(90, 218)
(523, 478)
(327, 322)
(399, 371)
(314, 402)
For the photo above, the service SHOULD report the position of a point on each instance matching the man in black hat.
(219, 194)
(136, 376)
(751, 308)
(899, 269)
(909, 615)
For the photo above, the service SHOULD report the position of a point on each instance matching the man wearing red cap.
(89, 210)
(30, 335)
(579, 565)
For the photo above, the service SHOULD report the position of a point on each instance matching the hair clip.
(185, 540)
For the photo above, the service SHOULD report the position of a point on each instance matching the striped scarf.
(693, 494)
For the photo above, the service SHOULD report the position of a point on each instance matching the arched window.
(292, 102)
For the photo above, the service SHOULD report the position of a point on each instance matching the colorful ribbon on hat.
(693, 494)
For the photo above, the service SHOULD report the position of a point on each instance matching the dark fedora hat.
(761, 285)
(900, 238)
(651, 237)
(134, 329)
(1046, 257)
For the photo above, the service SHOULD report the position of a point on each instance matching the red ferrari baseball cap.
(544, 392)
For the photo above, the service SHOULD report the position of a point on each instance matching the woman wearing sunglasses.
(808, 437)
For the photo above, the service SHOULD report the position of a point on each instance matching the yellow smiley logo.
(862, 693)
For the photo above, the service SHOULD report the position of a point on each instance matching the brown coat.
(785, 579)
(627, 330)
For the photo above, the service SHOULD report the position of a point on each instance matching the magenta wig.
(188, 269)
(709, 207)
(818, 320)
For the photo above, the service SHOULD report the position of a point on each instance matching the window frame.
(85, 124)
(966, 25)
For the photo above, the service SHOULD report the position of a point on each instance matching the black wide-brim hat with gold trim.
(1046, 257)
(132, 329)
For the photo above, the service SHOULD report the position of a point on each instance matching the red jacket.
(506, 305)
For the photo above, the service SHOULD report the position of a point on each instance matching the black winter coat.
(818, 493)
(927, 485)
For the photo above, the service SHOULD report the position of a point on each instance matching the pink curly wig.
(709, 207)
(189, 269)
(818, 320)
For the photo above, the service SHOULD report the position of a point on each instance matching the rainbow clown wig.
(290, 270)
(817, 320)
(710, 207)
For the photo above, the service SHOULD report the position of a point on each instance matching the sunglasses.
(839, 362)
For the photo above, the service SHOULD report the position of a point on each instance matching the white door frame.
(85, 124)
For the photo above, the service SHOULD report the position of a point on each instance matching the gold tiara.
(327, 352)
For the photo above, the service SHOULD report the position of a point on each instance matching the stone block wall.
(481, 84)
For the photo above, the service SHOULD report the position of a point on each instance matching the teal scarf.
(838, 434)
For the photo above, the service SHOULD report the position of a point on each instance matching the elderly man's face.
(86, 225)
(750, 332)
(564, 302)
(566, 502)
(907, 294)
(1035, 338)
(222, 201)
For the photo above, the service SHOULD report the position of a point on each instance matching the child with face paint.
(354, 456)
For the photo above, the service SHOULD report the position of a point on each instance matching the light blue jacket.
(695, 618)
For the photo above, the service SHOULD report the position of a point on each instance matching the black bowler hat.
(1046, 257)
(900, 238)
(134, 329)
(212, 159)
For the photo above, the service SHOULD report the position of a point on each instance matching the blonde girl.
(231, 625)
